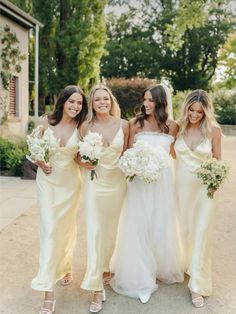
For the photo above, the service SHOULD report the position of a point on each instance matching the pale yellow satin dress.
(58, 197)
(197, 211)
(103, 199)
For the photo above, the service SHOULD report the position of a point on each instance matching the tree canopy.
(175, 40)
(227, 62)
(71, 41)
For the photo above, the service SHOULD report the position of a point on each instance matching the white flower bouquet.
(144, 161)
(212, 173)
(40, 143)
(90, 149)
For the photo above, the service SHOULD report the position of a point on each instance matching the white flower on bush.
(144, 161)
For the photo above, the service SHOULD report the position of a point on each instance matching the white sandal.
(197, 299)
(96, 307)
(47, 311)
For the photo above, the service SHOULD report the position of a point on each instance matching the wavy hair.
(115, 108)
(208, 120)
(160, 99)
(55, 117)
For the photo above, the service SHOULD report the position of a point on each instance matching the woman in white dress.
(198, 140)
(148, 243)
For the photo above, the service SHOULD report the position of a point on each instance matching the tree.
(130, 49)
(188, 62)
(71, 42)
(92, 39)
(227, 63)
(192, 64)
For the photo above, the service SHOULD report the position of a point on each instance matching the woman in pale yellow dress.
(199, 139)
(103, 197)
(58, 189)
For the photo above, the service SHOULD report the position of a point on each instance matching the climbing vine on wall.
(11, 56)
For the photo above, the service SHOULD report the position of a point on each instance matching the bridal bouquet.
(40, 143)
(90, 149)
(212, 173)
(144, 161)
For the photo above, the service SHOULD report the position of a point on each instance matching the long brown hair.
(160, 99)
(55, 117)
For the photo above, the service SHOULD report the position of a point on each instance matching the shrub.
(225, 106)
(12, 156)
(128, 93)
(178, 100)
(31, 125)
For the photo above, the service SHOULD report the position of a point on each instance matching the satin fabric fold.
(196, 214)
(58, 200)
(103, 198)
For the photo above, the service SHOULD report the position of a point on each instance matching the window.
(13, 110)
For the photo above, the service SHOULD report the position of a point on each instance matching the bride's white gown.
(148, 243)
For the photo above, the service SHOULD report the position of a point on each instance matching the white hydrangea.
(90, 149)
(144, 161)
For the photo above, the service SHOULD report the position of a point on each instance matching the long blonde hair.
(208, 120)
(115, 108)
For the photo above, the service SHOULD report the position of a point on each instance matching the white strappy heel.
(197, 299)
(47, 311)
(96, 307)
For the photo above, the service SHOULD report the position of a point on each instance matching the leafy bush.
(128, 93)
(225, 106)
(12, 156)
(178, 100)
(31, 125)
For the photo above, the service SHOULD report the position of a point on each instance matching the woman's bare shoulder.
(216, 133)
(125, 123)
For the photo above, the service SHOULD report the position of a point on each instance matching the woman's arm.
(125, 128)
(133, 128)
(216, 143)
(173, 130)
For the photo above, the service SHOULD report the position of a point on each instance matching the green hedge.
(129, 93)
(12, 156)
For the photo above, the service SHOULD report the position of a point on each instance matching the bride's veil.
(169, 101)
